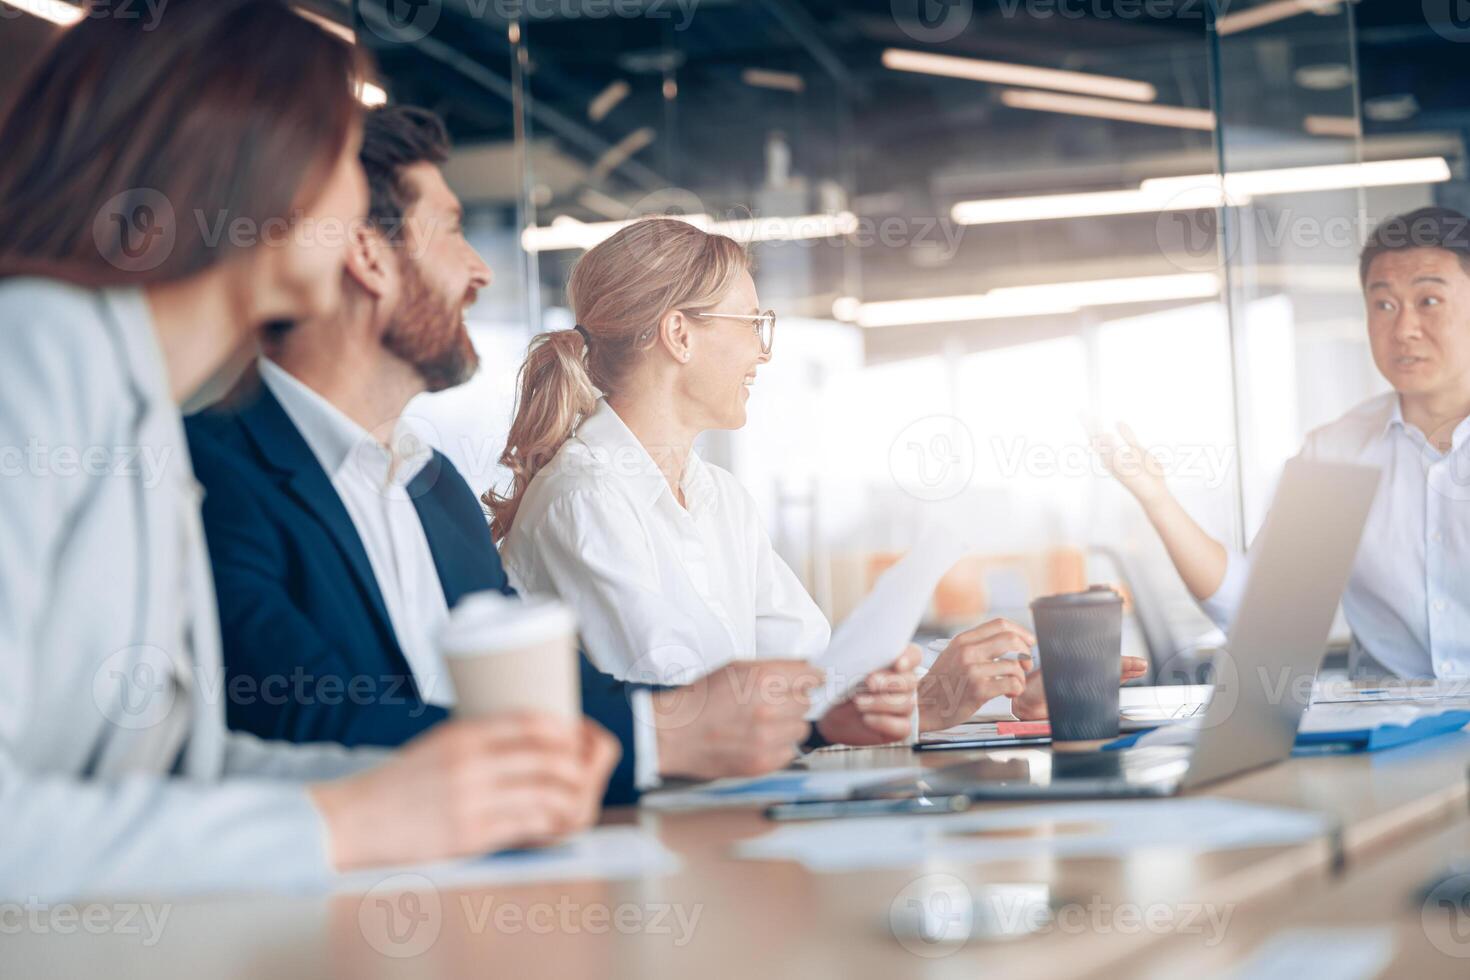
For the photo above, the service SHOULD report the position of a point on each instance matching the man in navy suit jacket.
(310, 651)
(339, 544)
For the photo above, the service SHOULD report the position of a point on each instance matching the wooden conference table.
(1398, 813)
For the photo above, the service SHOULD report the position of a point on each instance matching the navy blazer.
(309, 651)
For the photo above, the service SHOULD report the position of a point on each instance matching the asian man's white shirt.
(1406, 599)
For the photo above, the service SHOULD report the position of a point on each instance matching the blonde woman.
(663, 555)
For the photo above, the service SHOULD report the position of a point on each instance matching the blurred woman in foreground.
(165, 195)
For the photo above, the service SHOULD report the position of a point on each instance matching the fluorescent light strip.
(603, 102)
(1005, 73)
(1081, 105)
(783, 81)
(1269, 13)
(1039, 300)
(621, 151)
(566, 232)
(1346, 126)
(372, 95)
(327, 24)
(1040, 208)
(56, 11)
(1199, 191)
(1246, 184)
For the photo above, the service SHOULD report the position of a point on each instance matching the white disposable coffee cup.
(509, 654)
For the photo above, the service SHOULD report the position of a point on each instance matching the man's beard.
(428, 332)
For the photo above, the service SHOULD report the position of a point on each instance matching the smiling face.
(441, 277)
(724, 356)
(1419, 320)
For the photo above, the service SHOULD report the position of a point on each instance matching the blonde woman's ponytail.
(554, 392)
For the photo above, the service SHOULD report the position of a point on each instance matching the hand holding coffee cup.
(516, 659)
(506, 654)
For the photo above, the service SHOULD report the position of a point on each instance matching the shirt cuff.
(645, 741)
(1222, 604)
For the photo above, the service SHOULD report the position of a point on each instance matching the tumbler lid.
(1096, 595)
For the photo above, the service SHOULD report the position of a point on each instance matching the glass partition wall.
(981, 224)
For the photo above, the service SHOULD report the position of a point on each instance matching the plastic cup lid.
(1096, 595)
(486, 621)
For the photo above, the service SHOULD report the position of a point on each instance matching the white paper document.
(1340, 691)
(602, 853)
(788, 786)
(1108, 828)
(1319, 718)
(1356, 716)
(1322, 954)
(876, 632)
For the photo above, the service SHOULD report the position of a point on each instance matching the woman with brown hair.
(165, 194)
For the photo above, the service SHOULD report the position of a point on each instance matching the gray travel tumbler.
(1080, 636)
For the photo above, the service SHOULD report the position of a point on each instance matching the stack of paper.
(1088, 829)
(607, 853)
(780, 787)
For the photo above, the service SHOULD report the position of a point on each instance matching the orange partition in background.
(962, 597)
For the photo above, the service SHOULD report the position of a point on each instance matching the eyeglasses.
(764, 325)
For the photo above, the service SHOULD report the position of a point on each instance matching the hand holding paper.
(884, 623)
(880, 710)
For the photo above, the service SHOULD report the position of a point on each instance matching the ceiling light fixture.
(566, 232)
(1006, 73)
(1198, 191)
(1039, 300)
(1178, 117)
(56, 11)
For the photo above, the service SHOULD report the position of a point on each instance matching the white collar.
(619, 453)
(336, 440)
(1395, 416)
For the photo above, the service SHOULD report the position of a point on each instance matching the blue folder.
(1348, 740)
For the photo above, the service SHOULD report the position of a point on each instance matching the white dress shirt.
(117, 774)
(1406, 601)
(664, 594)
(372, 483)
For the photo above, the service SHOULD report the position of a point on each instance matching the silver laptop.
(1299, 565)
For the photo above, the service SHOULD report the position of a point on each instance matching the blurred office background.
(979, 222)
